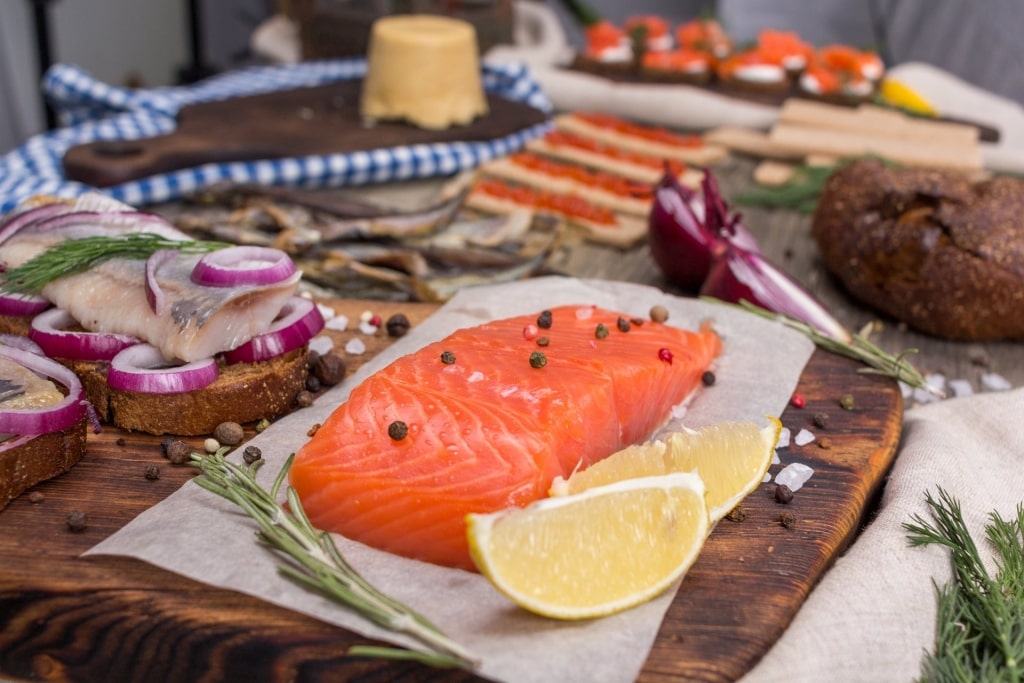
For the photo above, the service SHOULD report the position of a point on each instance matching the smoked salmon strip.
(470, 424)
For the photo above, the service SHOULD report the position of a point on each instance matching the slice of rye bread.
(242, 392)
(44, 457)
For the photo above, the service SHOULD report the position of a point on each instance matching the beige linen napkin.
(872, 616)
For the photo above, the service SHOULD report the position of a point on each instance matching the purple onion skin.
(740, 275)
(680, 245)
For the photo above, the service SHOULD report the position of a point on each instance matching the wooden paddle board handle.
(112, 162)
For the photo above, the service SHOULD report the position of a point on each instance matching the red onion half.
(299, 321)
(686, 231)
(740, 275)
(22, 305)
(143, 369)
(50, 331)
(54, 418)
(244, 265)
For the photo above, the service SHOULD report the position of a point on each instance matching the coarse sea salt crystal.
(794, 475)
(339, 323)
(937, 382)
(992, 381)
(960, 387)
(326, 311)
(321, 344)
(767, 478)
(355, 347)
(906, 390)
(367, 328)
(775, 458)
(803, 437)
(783, 438)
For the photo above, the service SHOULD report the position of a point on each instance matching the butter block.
(423, 69)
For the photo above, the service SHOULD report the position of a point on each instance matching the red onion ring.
(244, 265)
(53, 418)
(143, 369)
(23, 343)
(155, 295)
(109, 219)
(29, 217)
(22, 305)
(299, 321)
(50, 330)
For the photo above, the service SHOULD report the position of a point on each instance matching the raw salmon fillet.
(487, 430)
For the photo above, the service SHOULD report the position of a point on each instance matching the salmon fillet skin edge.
(485, 429)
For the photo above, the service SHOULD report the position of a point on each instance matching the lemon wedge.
(594, 553)
(731, 457)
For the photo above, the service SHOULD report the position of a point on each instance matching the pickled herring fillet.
(487, 429)
(195, 322)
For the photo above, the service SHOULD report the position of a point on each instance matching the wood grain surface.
(68, 618)
(316, 120)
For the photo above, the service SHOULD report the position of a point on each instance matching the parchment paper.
(196, 534)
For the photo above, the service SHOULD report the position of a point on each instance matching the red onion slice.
(29, 217)
(155, 295)
(740, 275)
(244, 265)
(23, 343)
(50, 330)
(54, 418)
(143, 369)
(22, 305)
(299, 321)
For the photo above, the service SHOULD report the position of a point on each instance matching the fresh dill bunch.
(78, 255)
(980, 624)
(316, 562)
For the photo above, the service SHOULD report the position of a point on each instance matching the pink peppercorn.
(530, 332)
(798, 401)
(376, 320)
(665, 355)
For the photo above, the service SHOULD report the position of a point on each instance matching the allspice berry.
(229, 433)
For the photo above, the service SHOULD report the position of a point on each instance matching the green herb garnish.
(858, 347)
(800, 193)
(316, 563)
(980, 623)
(79, 255)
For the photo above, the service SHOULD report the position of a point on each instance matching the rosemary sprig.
(859, 347)
(315, 561)
(78, 255)
(980, 622)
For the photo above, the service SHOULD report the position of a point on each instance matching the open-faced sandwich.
(167, 335)
(43, 417)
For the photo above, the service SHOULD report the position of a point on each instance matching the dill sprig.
(980, 622)
(78, 255)
(858, 347)
(316, 562)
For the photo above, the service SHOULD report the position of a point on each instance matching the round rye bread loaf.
(934, 249)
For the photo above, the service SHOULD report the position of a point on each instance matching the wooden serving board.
(315, 120)
(68, 618)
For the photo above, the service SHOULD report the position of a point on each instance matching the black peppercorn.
(313, 383)
(397, 325)
(601, 331)
(783, 494)
(623, 325)
(329, 369)
(708, 378)
(251, 454)
(178, 452)
(77, 521)
(544, 320)
(543, 341)
(787, 519)
(398, 430)
(538, 360)
(821, 420)
(303, 399)
(152, 472)
(447, 357)
(846, 402)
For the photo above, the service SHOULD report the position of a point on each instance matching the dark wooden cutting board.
(316, 120)
(64, 617)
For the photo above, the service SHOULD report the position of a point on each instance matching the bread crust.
(243, 392)
(933, 249)
(44, 457)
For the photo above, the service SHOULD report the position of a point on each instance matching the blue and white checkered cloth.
(91, 111)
